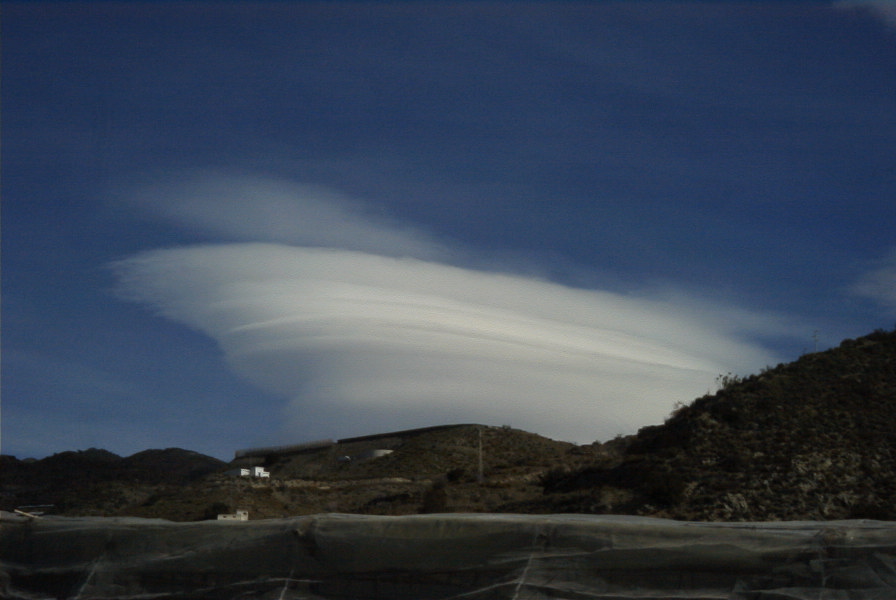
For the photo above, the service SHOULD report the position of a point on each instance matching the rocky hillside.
(809, 440)
(438, 471)
(813, 439)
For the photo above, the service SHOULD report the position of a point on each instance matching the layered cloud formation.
(357, 322)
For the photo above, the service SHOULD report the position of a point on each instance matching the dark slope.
(812, 439)
(96, 482)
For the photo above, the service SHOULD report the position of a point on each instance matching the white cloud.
(879, 284)
(245, 208)
(361, 342)
(360, 322)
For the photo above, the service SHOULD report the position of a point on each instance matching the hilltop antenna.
(815, 337)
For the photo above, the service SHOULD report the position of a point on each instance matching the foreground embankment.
(445, 556)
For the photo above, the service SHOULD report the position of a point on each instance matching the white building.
(240, 515)
(252, 472)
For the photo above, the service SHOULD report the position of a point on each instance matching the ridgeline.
(814, 439)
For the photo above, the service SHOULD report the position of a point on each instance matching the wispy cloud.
(371, 336)
(246, 208)
(885, 10)
(879, 284)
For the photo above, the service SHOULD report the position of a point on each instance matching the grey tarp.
(445, 556)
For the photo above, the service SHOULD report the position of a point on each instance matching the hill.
(809, 440)
(812, 439)
(97, 482)
(434, 471)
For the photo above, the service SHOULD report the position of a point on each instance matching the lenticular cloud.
(361, 342)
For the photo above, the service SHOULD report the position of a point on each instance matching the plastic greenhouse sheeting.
(471, 556)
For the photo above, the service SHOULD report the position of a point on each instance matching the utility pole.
(480, 477)
(815, 337)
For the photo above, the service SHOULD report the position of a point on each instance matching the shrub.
(435, 500)
(727, 381)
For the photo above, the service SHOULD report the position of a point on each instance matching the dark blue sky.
(731, 165)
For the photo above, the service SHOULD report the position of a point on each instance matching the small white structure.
(240, 515)
(253, 472)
